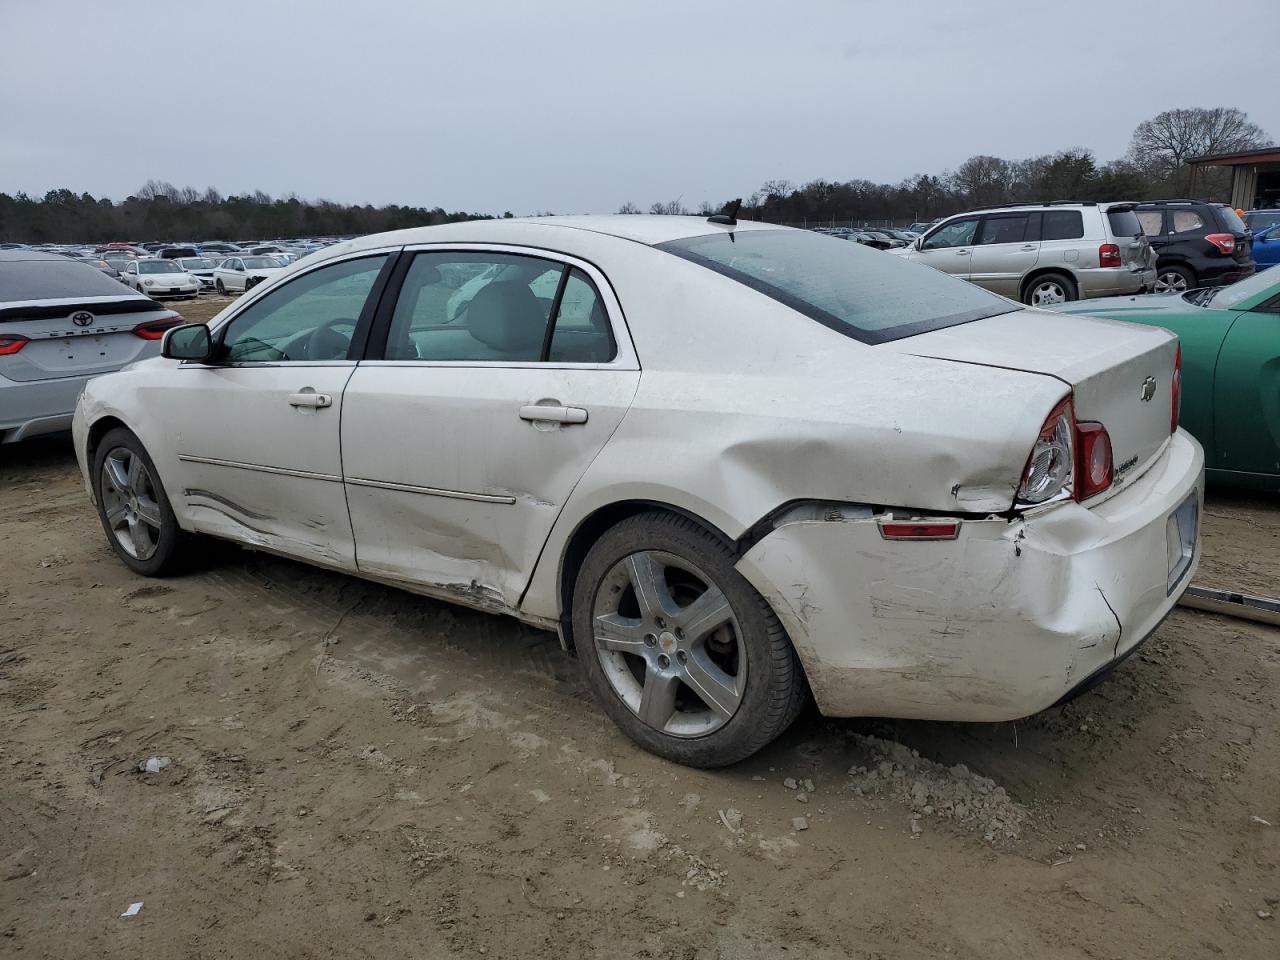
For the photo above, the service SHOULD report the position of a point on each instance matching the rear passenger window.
(1152, 222)
(495, 307)
(1003, 229)
(1062, 225)
(1185, 221)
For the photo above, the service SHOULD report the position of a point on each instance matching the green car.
(1230, 340)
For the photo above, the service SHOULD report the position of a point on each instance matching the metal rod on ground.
(1258, 609)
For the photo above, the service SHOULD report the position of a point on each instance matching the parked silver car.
(62, 322)
(1043, 253)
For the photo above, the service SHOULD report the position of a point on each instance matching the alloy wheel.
(1048, 292)
(1171, 282)
(130, 504)
(669, 644)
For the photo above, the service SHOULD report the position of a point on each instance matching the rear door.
(949, 247)
(466, 432)
(1004, 252)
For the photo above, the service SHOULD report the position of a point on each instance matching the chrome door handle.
(536, 412)
(1028, 248)
(962, 253)
(309, 398)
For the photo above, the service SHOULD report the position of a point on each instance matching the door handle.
(309, 398)
(962, 253)
(536, 412)
(1028, 248)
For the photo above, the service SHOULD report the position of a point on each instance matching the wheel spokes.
(705, 614)
(648, 580)
(620, 634)
(148, 510)
(717, 689)
(658, 698)
(116, 474)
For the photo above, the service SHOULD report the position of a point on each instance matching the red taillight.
(945, 530)
(1223, 241)
(11, 343)
(1109, 255)
(154, 329)
(1175, 391)
(1093, 459)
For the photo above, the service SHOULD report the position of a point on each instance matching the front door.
(1246, 409)
(502, 376)
(949, 248)
(1005, 251)
(257, 432)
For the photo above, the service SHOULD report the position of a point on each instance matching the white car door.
(256, 430)
(463, 436)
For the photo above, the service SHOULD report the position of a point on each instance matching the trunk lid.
(1133, 244)
(1120, 374)
(79, 336)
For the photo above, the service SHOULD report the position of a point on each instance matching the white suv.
(1043, 253)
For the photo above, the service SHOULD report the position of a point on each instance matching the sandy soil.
(357, 772)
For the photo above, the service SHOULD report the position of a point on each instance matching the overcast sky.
(580, 105)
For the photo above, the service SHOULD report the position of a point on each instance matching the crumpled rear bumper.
(997, 624)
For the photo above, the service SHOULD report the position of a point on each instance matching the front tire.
(217, 285)
(1175, 278)
(134, 508)
(1050, 288)
(678, 648)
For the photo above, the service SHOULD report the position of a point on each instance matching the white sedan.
(160, 278)
(241, 273)
(747, 465)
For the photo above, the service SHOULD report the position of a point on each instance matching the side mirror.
(191, 341)
(919, 243)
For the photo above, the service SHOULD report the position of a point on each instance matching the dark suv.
(1197, 243)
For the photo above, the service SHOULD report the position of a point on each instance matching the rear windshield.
(1231, 220)
(863, 293)
(54, 280)
(1124, 223)
(196, 263)
(260, 263)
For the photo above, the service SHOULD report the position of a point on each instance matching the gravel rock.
(932, 790)
(790, 783)
(799, 823)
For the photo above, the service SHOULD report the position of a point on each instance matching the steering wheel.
(325, 343)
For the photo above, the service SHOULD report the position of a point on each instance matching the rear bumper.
(1114, 281)
(997, 624)
(29, 408)
(1227, 271)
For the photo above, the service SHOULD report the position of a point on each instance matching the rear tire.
(217, 285)
(1050, 288)
(1175, 278)
(134, 508)
(694, 665)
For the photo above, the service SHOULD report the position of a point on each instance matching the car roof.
(18, 256)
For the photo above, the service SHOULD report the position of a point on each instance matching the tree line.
(1154, 166)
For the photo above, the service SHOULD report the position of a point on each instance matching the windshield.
(158, 266)
(196, 263)
(261, 263)
(1229, 298)
(862, 293)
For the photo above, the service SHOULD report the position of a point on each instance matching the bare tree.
(983, 181)
(671, 208)
(629, 207)
(1162, 145)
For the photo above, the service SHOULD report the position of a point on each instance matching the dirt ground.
(358, 772)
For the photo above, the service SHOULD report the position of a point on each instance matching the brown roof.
(1265, 155)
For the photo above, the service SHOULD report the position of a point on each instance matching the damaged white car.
(731, 464)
